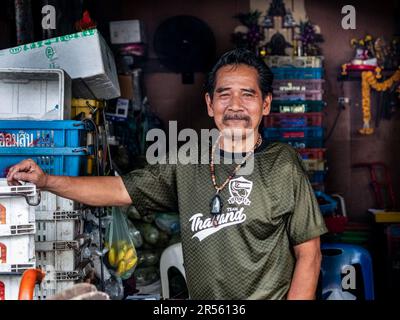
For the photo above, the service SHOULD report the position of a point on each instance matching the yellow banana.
(121, 255)
(111, 257)
(121, 268)
(131, 263)
(129, 254)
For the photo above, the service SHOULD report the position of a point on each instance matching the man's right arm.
(93, 191)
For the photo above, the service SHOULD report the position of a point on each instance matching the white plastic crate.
(9, 287)
(58, 226)
(17, 217)
(62, 256)
(17, 249)
(35, 94)
(52, 202)
(55, 282)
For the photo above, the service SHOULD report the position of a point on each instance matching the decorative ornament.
(369, 80)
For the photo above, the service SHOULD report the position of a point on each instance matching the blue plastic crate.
(54, 145)
(329, 206)
(317, 176)
(283, 73)
(297, 106)
(293, 133)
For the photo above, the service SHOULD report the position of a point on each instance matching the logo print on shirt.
(240, 189)
(204, 227)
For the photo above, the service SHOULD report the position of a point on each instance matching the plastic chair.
(335, 257)
(171, 257)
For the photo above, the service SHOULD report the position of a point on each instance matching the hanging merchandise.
(122, 253)
(370, 80)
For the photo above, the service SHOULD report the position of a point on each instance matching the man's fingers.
(24, 165)
(23, 176)
(92, 296)
(74, 291)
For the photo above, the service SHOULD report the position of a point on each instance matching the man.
(244, 236)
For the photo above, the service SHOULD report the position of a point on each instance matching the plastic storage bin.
(317, 176)
(16, 216)
(290, 133)
(314, 164)
(297, 106)
(298, 95)
(297, 85)
(52, 202)
(293, 61)
(9, 287)
(57, 226)
(54, 145)
(312, 154)
(299, 143)
(285, 120)
(17, 250)
(282, 73)
(41, 94)
(327, 204)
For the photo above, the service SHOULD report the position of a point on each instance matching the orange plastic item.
(28, 281)
(3, 253)
(2, 214)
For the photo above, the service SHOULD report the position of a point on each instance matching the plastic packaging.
(122, 253)
(168, 222)
(149, 233)
(146, 276)
(135, 234)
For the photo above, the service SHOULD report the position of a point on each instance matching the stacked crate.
(296, 111)
(17, 243)
(43, 99)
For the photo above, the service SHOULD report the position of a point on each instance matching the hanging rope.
(369, 80)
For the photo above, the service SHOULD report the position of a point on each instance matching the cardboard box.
(126, 31)
(85, 56)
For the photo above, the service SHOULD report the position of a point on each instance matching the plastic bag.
(168, 222)
(122, 254)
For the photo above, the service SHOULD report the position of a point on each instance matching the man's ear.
(210, 109)
(267, 105)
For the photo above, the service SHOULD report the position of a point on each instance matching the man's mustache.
(236, 116)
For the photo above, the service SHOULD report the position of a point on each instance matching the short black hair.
(239, 56)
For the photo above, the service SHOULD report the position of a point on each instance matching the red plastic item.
(312, 154)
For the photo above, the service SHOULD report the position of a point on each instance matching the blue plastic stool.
(335, 257)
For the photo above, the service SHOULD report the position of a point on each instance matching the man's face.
(237, 102)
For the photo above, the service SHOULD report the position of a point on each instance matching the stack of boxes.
(58, 146)
(17, 243)
(296, 111)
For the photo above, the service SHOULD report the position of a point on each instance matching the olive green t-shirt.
(249, 254)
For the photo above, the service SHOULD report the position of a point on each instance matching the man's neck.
(241, 144)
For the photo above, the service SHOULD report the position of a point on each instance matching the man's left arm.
(305, 277)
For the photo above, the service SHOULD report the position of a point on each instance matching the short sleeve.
(306, 221)
(153, 188)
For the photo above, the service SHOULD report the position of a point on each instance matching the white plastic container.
(61, 261)
(35, 94)
(17, 217)
(54, 282)
(17, 250)
(64, 226)
(52, 202)
(9, 287)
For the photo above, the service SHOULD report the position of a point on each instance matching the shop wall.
(346, 146)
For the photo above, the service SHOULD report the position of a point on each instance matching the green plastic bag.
(122, 256)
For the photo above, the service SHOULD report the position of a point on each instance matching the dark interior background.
(172, 100)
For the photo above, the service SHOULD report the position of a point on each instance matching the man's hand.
(27, 171)
(80, 291)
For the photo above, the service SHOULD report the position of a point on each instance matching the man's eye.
(247, 94)
(224, 95)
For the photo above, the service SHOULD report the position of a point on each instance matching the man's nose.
(236, 103)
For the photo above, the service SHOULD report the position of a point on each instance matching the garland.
(369, 80)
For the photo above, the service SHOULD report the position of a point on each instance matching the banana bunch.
(122, 256)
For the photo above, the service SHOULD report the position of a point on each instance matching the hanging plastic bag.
(122, 254)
